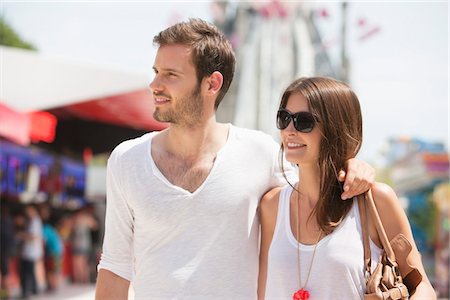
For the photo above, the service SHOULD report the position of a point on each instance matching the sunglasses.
(303, 121)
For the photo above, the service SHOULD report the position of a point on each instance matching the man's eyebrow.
(167, 70)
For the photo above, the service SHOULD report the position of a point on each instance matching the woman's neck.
(309, 182)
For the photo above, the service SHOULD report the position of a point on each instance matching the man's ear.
(214, 83)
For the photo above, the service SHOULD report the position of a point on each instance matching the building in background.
(419, 173)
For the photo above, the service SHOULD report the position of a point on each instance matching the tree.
(8, 37)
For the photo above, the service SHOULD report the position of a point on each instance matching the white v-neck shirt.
(174, 244)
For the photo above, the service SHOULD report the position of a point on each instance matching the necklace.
(302, 293)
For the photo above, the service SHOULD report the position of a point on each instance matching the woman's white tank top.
(337, 270)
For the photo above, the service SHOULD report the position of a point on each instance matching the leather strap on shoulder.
(379, 226)
(365, 235)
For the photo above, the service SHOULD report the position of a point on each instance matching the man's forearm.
(111, 286)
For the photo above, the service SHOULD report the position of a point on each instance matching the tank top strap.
(283, 212)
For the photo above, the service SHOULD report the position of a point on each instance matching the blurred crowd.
(43, 247)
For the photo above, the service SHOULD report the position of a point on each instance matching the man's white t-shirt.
(174, 244)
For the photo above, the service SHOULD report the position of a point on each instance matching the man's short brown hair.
(211, 51)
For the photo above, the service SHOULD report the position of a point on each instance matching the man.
(181, 218)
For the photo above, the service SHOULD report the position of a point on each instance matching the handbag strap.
(379, 227)
(366, 203)
(365, 235)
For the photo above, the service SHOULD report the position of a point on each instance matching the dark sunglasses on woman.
(303, 121)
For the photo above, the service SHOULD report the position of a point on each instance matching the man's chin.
(161, 118)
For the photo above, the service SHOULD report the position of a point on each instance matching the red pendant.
(301, 294)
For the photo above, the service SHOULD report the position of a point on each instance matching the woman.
(310, 239)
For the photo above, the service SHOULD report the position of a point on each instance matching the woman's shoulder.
(384, 196)
(390, 210)
(268, 212)
(269, 202)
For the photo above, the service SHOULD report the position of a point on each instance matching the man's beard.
(186, 111)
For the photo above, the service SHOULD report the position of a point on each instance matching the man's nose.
(155, 85)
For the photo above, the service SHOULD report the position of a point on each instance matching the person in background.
(94, 254)
(311, 242)
(53, 249)
(7, 244)
(181, 217)
(32, 251)
(64, 228)
(81, 242)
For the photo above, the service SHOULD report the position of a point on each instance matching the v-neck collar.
(157, 172)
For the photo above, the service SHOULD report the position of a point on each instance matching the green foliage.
(8, 37)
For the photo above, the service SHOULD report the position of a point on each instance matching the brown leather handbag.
(393, 278)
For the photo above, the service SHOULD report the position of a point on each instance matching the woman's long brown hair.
(339, 113)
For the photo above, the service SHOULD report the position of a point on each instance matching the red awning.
(14, 126)
(22, 128)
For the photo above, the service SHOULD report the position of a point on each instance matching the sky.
(400, 73)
